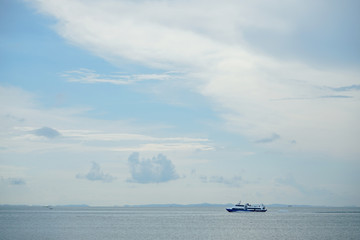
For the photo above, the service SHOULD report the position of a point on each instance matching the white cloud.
(245, 86)
(156, 170)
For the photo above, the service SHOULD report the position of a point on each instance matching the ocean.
(142, 223)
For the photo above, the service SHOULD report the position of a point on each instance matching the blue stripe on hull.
(243, 210)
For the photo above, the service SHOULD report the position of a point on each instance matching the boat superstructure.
(247, 208)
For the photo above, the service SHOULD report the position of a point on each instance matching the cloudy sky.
(136, 102)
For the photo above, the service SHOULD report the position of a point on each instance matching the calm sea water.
(62, 223)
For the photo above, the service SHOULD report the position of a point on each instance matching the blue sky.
(123, 102)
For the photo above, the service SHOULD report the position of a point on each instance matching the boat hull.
(247, 210)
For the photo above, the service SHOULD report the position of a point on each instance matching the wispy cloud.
(90, 77)
(347, 88)
(13, 181)
(156, 170)
(270, 139)
(336, 96)
(139, 142)
(235, 181)
(95, 174)
(105, 136)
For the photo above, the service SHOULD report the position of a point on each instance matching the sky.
(153, 102)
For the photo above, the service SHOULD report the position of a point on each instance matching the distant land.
(223, 205)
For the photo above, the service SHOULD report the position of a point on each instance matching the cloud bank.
(156, 170)
(214, 50)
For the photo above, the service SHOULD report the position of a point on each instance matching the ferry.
(247, 208)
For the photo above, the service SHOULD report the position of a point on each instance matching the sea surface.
(141, 223)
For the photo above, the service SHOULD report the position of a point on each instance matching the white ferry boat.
(247, 208)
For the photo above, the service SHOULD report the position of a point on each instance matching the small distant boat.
(247, 208)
